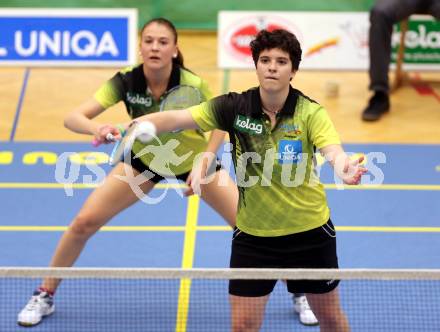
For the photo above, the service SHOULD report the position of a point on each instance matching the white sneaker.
(302, 308)
(39, 306)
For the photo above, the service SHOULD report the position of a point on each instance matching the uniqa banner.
(68, 37)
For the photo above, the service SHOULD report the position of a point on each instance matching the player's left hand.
(353, 171)
(196, 178)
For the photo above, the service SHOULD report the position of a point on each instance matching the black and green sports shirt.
(130, 86)
(280, 192)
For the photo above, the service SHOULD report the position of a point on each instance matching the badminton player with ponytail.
(142, 89)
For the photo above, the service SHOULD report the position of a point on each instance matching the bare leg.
(327, 309)
(247, 312)
(104, 202)
(221, 198)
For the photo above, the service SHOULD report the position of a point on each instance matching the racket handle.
(109, 137)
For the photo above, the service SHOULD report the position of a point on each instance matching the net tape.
(250, 274)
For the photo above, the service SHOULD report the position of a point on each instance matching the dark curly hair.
(281, 39)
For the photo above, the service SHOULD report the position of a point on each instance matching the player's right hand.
(107, 134)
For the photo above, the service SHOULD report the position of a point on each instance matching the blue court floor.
(394, 225)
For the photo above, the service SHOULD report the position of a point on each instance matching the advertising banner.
(68, 37)
(329, 40)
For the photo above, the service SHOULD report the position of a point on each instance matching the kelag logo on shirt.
(289, 151)
(137, 99)
(248, 125)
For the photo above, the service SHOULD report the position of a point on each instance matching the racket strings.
(180, 98)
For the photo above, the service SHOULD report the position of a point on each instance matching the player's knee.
(331, 319)
(84, 225)
(244, 324)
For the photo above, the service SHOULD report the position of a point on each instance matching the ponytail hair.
(178, 60)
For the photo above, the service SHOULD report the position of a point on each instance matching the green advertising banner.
(195, 14)
(422, 41)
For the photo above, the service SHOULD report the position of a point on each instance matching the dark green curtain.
(196, 14)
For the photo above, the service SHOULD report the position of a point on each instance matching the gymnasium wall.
(195, 14)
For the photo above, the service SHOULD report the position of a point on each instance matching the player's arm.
(169, 121)
(324, 136)
(200, 170)
(216, 113)
(207, 116)
(80, 121)
(216, 138)
(350, 171)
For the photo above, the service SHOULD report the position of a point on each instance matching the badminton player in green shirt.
(140, 88)
(283, 219)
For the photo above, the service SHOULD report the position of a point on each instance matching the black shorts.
(139, 166)
(314, 249)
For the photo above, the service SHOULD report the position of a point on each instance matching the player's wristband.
(121, 129)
